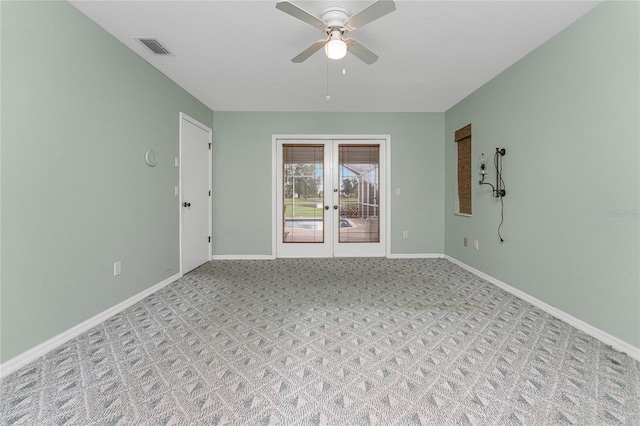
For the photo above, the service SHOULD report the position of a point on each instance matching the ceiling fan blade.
(361, 52)
(370, 13)
(309, 51)
(301, 14)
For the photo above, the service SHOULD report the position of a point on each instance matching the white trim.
(243, 257)
(356, 136)
(461, 214)
(388, 197)
(207, 129)
(415, 256)
(211, 196)
(274, 196)
(37, 351)
(592, 331)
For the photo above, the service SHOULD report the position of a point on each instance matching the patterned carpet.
(328, 342)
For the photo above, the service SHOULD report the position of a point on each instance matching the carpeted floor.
(331, 342)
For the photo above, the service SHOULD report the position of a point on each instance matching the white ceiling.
(235, 55)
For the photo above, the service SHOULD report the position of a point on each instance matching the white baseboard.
(242, 257)
(32, 354)
(415, 256)
(270, 257)
(592, 331)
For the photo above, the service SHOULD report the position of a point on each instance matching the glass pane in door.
(359, 168)
(303, 194)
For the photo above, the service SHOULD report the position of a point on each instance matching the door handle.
(186, 204)
(326, 207)
(335, 207)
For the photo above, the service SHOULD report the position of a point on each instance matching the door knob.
(326, 207)
(187, 204)
(335, 207)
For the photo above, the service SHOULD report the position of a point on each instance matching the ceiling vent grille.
(155, 46)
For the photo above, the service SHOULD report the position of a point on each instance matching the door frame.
(178, 164)
(386, 184)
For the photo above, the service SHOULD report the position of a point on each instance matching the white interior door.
(330, 197)
(195, 193)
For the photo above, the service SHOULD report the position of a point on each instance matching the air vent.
(155, 46)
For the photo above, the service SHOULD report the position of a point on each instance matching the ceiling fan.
(336, 23)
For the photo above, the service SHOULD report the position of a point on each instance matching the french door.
(330, 198)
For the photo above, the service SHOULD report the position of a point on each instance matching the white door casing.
(195, 193)
(330, 246)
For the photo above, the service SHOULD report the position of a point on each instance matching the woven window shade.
(463, 140)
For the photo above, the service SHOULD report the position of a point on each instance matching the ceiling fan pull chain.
(328, 97)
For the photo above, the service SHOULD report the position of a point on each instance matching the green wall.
(242, 153)
(79, 109)
(567, 115)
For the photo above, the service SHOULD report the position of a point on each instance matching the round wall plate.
(150, 158)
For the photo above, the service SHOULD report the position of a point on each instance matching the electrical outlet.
(117, 268)
(477, 245)
(465, 242)
(405, 234)
(176, 162)
(176, 190)
(397, 191)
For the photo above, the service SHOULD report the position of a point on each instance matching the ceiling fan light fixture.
(336, 22)
(335, 48)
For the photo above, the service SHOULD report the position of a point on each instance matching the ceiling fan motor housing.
(335, 17)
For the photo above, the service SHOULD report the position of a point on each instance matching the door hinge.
(209, 239)
(209, 147)
(209, 193)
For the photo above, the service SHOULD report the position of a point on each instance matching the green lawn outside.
(307, 207)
